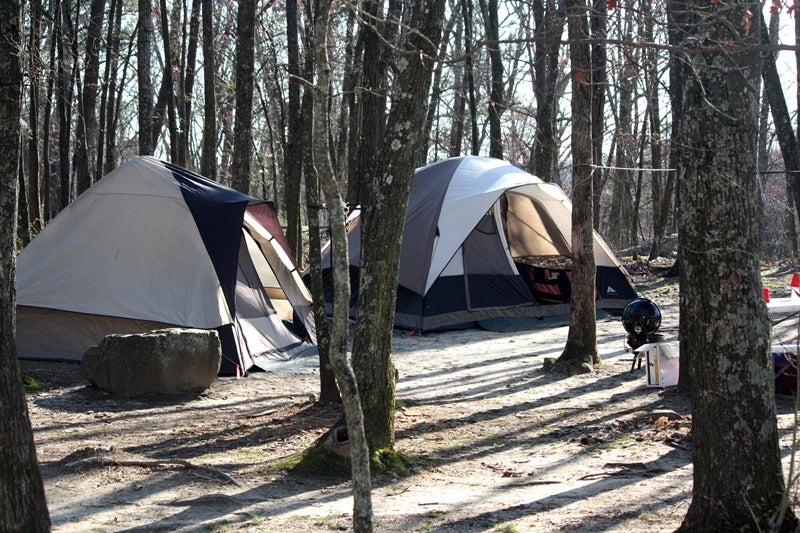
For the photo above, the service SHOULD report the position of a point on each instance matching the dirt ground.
(498, 444)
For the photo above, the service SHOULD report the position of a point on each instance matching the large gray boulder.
(164, 360)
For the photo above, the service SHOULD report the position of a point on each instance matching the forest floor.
(497, 444)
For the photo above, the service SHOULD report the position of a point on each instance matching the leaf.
(745, 23)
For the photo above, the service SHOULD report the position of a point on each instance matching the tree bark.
(369, 95)
(294, 148)
(243, 122)
(580, 352)
(345, 377)
(469, 73)
(34, 74)
(662, 184)
(598, 21)
(187, 92)
(724, 326)
(459, 96)
(108, 100)
(208, 165)
(496, 98)
(144, 77)
(549, 21)
(383, 219)
(168, 85)
(22, 499)
(621, 228)
(86, 130)
(328, 390)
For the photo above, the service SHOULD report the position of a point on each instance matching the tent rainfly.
(484, 240)
(153, 245)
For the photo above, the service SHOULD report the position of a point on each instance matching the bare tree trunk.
(86, 130)
(345, 377)
(116, 101)
(50, 181)
(580, 352)
(108, 90)
(598, 20)
(383, 219)
(34, 74)
(144, 77)
(294, 148)
(208, 166)
(328, 390)
(243, 122)
(67, 68)
(790, 149)
(496, 98)
(436, 93)
(677, 21)
(466, 9)
(549, 21)
(22, 499)
(347, 102)
(662, 184)
(724, 326)
(369, 96)
(188, 86)
(623, 215)
(168, 85)
(459, 89)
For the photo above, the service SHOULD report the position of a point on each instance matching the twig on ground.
(109, 461)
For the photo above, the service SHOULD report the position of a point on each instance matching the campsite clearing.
(499, 445)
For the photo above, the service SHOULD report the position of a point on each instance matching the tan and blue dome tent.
(484, 240)
(153, 245)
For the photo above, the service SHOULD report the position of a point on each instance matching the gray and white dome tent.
(484, 239)
(153, 245)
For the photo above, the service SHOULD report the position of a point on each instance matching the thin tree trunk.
(598, 21)
(294, 148)
(662, 184)
(580, 352)
(345, 377)
(50, 180)
(369, 95)
(187, 96)
(622, 223)
(466, 9)
(86, 130)
(459, 84)
(34, 74)
(436, 93)
(115, 100)
(67, 70)
(790, 149)
(347, 102)
(549, 27)
(144, 77)
(109, 87)
(496, 98)
(168, 85)
(208, 166)
(328, 390)
(243, 122)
